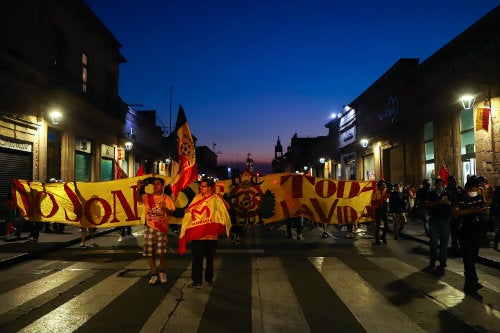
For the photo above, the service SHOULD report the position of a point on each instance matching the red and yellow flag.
(187, 156)
(205, 217)
(483, 117)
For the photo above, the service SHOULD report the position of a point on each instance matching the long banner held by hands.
(258, 199)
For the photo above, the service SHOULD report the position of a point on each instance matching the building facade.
(60, 113)
(421, 117)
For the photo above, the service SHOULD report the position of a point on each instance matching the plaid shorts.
(155, 242)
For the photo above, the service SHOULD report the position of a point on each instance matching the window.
(84, 72)
(467, 145)
(429, 150)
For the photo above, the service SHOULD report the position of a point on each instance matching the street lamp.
(467, 101)
(364, 143)
(55, 116)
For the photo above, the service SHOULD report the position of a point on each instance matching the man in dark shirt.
(439, 205)
(420, 198)
(471, 208)
(454, 190)
(397, 208)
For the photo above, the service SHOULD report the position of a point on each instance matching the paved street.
(265, 284)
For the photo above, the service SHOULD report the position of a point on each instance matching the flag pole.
(170, 124)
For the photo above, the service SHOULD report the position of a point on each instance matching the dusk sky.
(248, 71)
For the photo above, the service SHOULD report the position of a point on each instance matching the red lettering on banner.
(38, 203)
(342, 188)
(297, 181)
(331, 188)
(317, 207)
(307, 212)
(367, 212)
(131, 215)
(88, 210)
(19, 189)
(347, 214)
(369, 187)
(285, 209)
(77, 206)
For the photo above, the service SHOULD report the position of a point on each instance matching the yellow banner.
(253, 200)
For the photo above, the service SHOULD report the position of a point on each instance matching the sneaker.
(196, 285)
(82, 244)
(154, 279)
(163, 277)
(325, 235)
(209, 283)
(299, 236)
(473, 287)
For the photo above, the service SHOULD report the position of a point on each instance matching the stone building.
(60, 113)
(411, 121)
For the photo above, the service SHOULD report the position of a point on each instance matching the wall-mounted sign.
(347, 119)
(22, 146)
(107, 151)
(347, 137)
(83, 145)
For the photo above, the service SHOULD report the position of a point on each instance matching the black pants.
(380, 216)
(470, 251)
(201, 249)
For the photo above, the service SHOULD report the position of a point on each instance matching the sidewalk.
(414, 229)
(13, 251)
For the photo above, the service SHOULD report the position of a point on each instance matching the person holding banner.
(379, 205)
(204, 220)
(158, 205)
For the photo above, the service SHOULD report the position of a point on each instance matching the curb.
(46, 249)
(480, 259)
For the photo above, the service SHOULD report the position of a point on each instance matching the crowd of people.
(468, 215)
(467, 218)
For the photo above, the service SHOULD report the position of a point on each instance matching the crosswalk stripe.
(274, 305)
(74, 313)
(443, 294)
(18, 296)
(182, 308)
(370, 308)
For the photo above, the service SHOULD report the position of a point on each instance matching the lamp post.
(55, 116)
(467, 101)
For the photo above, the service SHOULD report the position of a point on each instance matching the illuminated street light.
(467, 101)
(55, 116)
(364, 143)
(129, 145)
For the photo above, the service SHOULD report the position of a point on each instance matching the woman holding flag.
(205, 219)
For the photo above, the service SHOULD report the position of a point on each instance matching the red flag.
(140, 171)
(187, 156)
(443, 174)
(119, 172)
